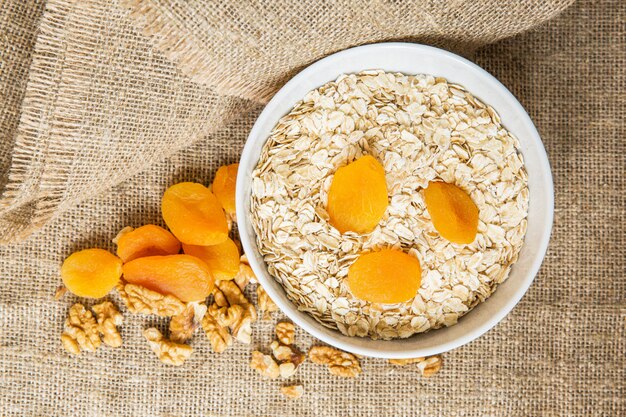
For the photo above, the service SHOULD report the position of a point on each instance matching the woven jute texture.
(560, 352)
(102, 104)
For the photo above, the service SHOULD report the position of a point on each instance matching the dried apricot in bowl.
(148, 240)
(224, 187)
(222, 259)
(183, 276)
(91, 272)
(357, 198)
(454, 214)
(388, 276)
(194, 215)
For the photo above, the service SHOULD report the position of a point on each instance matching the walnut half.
(285, 332)
(182, 325)
(141, 300)
(264, 365)
(240, 318)
(218, 335)
(109, 317)
(339, 363)
(81, 330)
(168, 352)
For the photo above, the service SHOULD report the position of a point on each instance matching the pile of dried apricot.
(153, 276)
(150, 256)
(357, 200)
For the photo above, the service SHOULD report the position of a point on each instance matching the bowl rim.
(291, 310)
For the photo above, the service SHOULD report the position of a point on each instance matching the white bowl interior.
(411, 59)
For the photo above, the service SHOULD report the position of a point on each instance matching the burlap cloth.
(88, 101)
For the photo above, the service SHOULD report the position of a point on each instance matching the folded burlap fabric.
(96, 91)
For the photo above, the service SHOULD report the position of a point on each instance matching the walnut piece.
(286, 353)
(430, 366)
(232, 292)
(285, 332)
(109, 317)
(287, 369)
(182, 325)
(141, 300)
(244, 260)
(292, 391)
(219, 298)
(168, 352)
(235, 310)
(218, 335)
(289, 358)
(404, 362)
(60, 292)
(81, 330)
(244, 276)
(339, 363)
(242, 328)
(264, 365)
(265, 303)
(226, 316)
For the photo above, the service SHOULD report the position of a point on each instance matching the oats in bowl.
(421, 129)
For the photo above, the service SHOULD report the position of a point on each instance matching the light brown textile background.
(560, 352)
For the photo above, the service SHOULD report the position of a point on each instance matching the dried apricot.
(222, 259)
(454, 214)
(224, 187)
(194, 215)
(183, 276)
(148, 240)
(357, 198)
(91, 272)
(388, 276)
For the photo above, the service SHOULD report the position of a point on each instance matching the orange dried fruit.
(454, 214)
(91, 272)
(194, 215)
(357, 198)
(388, 276)
(222, 259)
(183, 276)
(148, 240)
(224, 187)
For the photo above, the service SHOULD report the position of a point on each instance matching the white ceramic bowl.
(411, 59)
